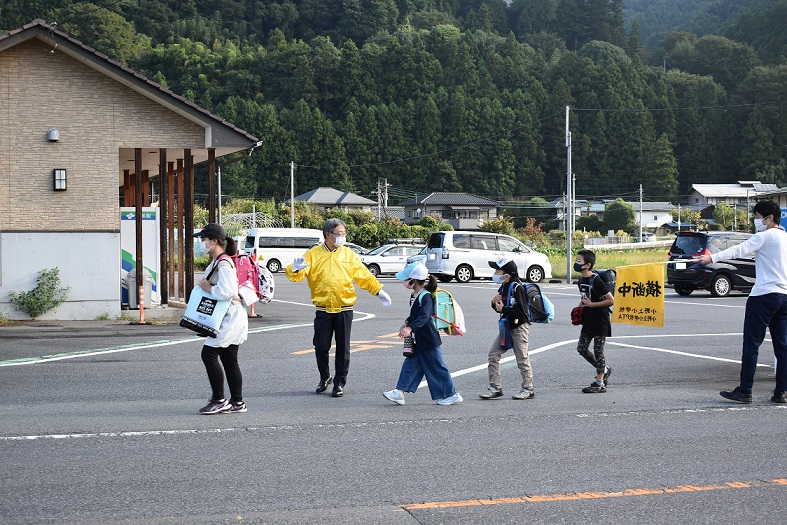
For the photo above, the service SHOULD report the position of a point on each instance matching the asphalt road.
(105, 429)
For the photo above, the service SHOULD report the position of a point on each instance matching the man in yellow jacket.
(331, 269)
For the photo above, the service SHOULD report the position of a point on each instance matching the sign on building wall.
(150, 246)
(639, 295)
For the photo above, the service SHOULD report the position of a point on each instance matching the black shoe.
(778, 397)
(737, 395)
(607, 374)
(337, 391)
(322, 386)
(594, 388)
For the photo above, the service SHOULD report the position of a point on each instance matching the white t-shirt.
(770, 248)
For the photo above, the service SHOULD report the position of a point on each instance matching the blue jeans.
(427, 362)
(764, 311)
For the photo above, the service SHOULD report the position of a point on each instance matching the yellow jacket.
(331, 275)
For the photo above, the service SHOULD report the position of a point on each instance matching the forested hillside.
(460, 95)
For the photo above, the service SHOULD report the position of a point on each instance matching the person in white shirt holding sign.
(766, 306)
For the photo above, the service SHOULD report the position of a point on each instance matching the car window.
(436, 240)
(483, 242)
(393, 252)
(688, 244)
(413, 250)
(717, 244)
(507, 244)
(462, 240)
(378, 250)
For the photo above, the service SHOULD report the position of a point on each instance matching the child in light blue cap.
(427, 359)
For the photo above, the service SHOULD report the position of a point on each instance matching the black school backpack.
(539, 308)
(609, 276)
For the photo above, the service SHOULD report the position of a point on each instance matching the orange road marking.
(596, 495)
(364, 345)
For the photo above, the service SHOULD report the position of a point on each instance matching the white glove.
(299, 264)
(384, 297)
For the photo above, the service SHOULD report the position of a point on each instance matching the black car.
(719, 278)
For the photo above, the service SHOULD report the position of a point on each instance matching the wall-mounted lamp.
(59, 177)
(53, 135)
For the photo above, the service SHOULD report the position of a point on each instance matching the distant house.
(330, 198)
(780, 196)
(653, 214)
(389, 211)
(742, 193)
(559, 207)
(463, 211)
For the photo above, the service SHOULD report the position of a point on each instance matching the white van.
(278, 247)
(465, 255)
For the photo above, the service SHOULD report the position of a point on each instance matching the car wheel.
(374, 269)
(682, 289)
(535, 274)
(273, 266)
(444, 278)
(721, 286)
(464, 273)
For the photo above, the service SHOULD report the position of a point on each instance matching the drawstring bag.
(577, 314)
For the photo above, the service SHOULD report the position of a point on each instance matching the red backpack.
(248, 277)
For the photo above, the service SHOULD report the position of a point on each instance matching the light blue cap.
(415, 270)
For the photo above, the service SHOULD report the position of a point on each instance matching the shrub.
(47, 294)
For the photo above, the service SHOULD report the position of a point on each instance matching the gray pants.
(519, 337)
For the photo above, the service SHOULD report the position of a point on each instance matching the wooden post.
(181, 235)
(170, 227)
(163, 206)
(211, 185)
(189, 221)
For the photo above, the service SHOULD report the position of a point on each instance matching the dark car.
(719, 278)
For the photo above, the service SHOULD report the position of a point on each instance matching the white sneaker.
(394, 395)
(456, 398)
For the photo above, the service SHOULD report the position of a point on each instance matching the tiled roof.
(114, 69)
(334, 197)
(449, 199)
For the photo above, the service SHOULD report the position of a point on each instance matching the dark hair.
(768, 207)
(430, 283)
(331, 224)
(228, 244)
(588, 256)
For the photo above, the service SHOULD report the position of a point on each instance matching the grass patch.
(609, 259)
(4, 320)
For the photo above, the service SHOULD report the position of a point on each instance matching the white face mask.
(759, 226)
(340, 240)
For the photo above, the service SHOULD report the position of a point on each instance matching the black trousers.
(229, 363)
(325, 326)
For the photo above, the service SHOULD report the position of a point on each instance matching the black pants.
(325, 326)
(229, 360)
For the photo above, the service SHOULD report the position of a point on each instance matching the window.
(484, 242)
(462, 240)
(511, 245)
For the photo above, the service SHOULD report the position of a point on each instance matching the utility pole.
(379, 200)
(678, 215)
(569, 207)
(385, 197)
(292, 194)
(640, 213)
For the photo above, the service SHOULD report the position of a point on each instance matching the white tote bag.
(204, 313)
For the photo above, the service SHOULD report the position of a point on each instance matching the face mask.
(578, 267)
(499, 278)
(340, 240)
(759, 226)
(408, 284)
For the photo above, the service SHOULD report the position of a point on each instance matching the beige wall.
(95, 115)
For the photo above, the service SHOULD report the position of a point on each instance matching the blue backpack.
(539, 308)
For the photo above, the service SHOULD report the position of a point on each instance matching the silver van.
(464, 255)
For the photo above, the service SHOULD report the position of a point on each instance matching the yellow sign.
(639, 295)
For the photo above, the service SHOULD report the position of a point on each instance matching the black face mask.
(578, 267)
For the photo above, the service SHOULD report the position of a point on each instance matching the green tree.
(619, 215)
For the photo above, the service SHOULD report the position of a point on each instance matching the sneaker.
(456, 398)
(215, 407)
(594, 388)
(394, 395)
(736, 395)
(778, 397)
(606, 375)
(524, 394)
(237, 407)
(491, 393)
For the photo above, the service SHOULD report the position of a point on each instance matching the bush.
(47, 294)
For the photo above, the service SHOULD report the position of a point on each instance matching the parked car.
(719, 278)
(388, 258)
(418, 257)
(360, 250)
(464, 255)
(647, 237)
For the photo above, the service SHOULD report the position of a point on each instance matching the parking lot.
(105, 430)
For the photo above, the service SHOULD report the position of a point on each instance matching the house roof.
(334, 197)
(225, 137)
(450, 199)
(740, 189)
(392, 211)
(653, 206)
